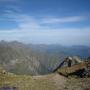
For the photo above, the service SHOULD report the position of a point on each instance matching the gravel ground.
(77, 84)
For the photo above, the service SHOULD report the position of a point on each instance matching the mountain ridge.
(21, 58)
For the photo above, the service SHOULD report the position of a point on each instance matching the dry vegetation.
(77, 84)
(44, 82)
(47, 82)
(53, 81)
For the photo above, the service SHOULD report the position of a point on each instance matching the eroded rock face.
(74, 66)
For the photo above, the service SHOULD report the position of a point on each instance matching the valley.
(30, 67)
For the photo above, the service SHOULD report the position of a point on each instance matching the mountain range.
(20, 58)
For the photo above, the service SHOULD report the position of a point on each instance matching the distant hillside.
(36, 59)
(23, 59)
(77, 50)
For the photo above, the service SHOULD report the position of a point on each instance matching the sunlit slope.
(24, 82)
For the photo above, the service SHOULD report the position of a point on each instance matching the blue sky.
(65, 22)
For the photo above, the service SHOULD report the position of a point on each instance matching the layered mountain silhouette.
(20, 58)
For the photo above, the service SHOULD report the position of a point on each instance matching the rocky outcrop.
(74, 66)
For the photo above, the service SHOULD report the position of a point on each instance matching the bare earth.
(57, 80)
(62, 83)
(45, 82)
(77, 84)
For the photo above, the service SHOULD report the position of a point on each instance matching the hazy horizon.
(57, 44)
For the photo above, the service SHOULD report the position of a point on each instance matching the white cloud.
(27, 22)
(30, 30)
(60, 36)
(30, 22)
(64, 20)
(23, 21)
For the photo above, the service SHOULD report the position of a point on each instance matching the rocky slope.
(30, 59)
(19, 58)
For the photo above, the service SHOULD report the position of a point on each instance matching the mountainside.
(20, 58)
(32, 59)
(27, 60)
